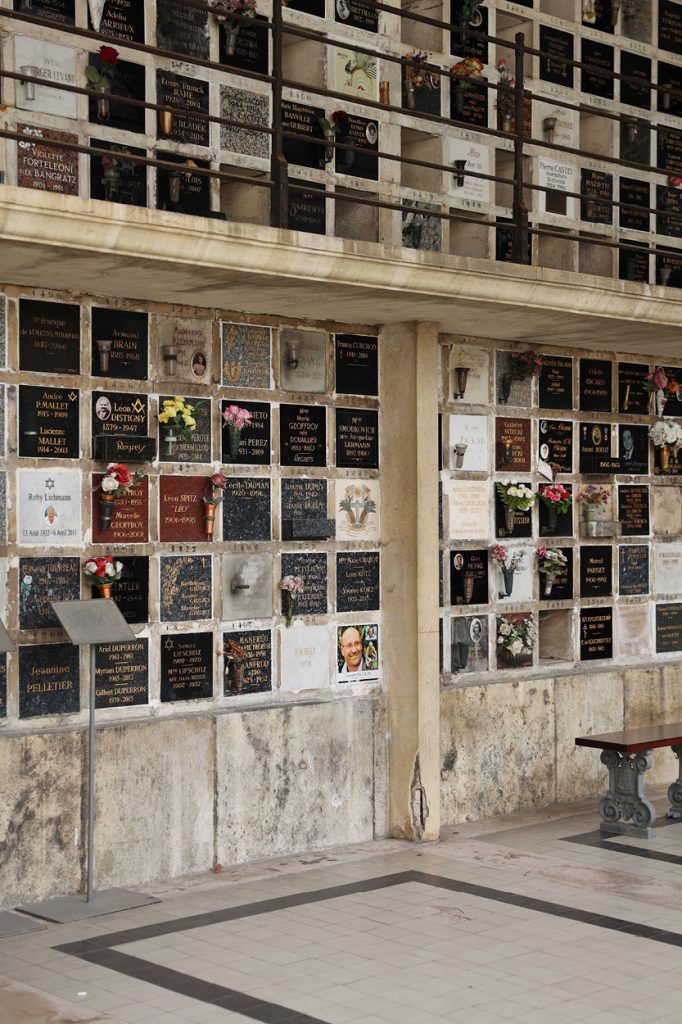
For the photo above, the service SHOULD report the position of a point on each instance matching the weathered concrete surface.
(585, 704)
(653, 696)
(24, 1005)
(291, 779)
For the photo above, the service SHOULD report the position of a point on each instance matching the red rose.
(122, 474)
(339, 117)
(218, 480)
(108, 55)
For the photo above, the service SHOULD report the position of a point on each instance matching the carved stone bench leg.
(625, 797)
(675, 789)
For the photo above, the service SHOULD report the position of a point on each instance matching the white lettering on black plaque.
(356, 364)
(303, 435)
(595, 385)
(357, 438)
(248, 661)
(62, 12)
(357, 581)
(186, 666)
(49, 337)
(49, 680)
(469, 577)
(190, 95)
(556, 383)
(122, 674)
(128, 333)
(596, 633)
(668, 628)
(48, 422)
(633, 569)
(595, 570)
(122, 19)
(557, 48)
(633, 509)
(42, 581)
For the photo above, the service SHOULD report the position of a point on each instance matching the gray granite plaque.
(469, 644)
(246, 356)
(3, 507)
(250, 107)
(246, 508)
(303, 501)
(132, 590)
(49, 680)
(186, 666)
(247, 587)
(357, 581)
(186, 588)
(122, 674)
(3, 330)
(41, 581)
(312, 569)
(182, 28)
(633, 569)
(303, 360)
(248, 661)
(3, 685)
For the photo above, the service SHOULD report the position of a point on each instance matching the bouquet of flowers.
(224, 10)
(505, 93)
(516, 496)
(100, 77)
(467, 70)
(657, 380)
(334, 124)
(524, 365)
(118, 480)
(666, 433)
(516, 639)
(416, 76)
(550, 560)
(177, 413)
(213, 491)
(555, 496)
(594, 495)
(102, 569)
(292, 586)
(236, 417)
(500, 554)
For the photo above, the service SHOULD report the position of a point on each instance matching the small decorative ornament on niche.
(101, 572)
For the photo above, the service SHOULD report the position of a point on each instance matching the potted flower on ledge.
(101, 572)
(551, 563)
(176, 422)
(116, 482)
(100, 78)
(224, 12)
(593, 497)
(213, 494)
(555, 498)
(500, 554)
(666, 436)
(515, 498)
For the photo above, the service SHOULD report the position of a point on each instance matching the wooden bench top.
(629, 741)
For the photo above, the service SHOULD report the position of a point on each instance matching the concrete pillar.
(409, 528)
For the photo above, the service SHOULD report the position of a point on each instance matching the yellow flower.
(164, 417)
(189, 421)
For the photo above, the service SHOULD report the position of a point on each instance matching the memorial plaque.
(469, 577)
(127, 83)
(667, 100)
(669, 268)
(357, 581)
(246, 508)
(307, 210)
(634, 631)
(251, 48)
(669, 151)
(186, 588)
(128, 332)
(632, 395)
(131, 189)
(194, 188)
(634, 65)
(673, 404)
(557, 179)
(357, 652)
(132, 590)
(668, 568)
(468, 443)
(633, 445)
(3, 685)
(637, 193)
(357, 504)
(3, 330)
(50, 503)
(119, 413)
(303, 435)
(248, 107)
(562, 526)
(355, 14)
(632, 265)
(304, 659)
(505, 659)
(196, 447)
(357, 438)
(122, 674)
(45, 167)
(556, 383)
(523, 521)
(633, 510)
(246, 356)
(469, 509)
(48, 422)
(597, 14)
(598, 57)
(469, 644)
(562, 588)
(465, 44)
(303, 360)
(355, 73)
(41, 581)
(357, 371)
(670, 26)
(633, 569)
(469, 191)
(314, 7)
(555, 445)
(186, 94)
(122, 20)
(557, 48)
(668, 628)
(248, 661)
(596, 570)
(512, 444)
(469, 105)
(254, 440)
(49, 680)
(61, 12)
(3, 507)
(51, 63)
(305, 120)
(49, 337)
(635, 140)
(181, 28)
(596, 633)
(247, 587)
(668, 222)
(301, 501)
(597, 184)
(596, 385)
(130, 521)
(186, 666)
(191, 339)
(359, 131)
(312, 569)
(181, 508)
(426, 96)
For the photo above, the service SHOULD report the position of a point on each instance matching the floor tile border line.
(598, 842)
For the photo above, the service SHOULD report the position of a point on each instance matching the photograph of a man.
(358, 655)
(634, 449)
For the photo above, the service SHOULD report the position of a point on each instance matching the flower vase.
(468, 587)
(103, 589)
(103, 105)
(236, 675)
(107, 504)
(460, 451)
(409, 95)
(289, 602)
(551, 518)
(329, 134)
(233, 441)
(347, 155)
(170, 439)
(505, 389)
(509, 518)
(660, 401)
(209, 518)
(111, 179)
(506, 122)
(508, 575)
(231, 33)
(664, 456)
(590, 514)
(548, 583)
(459, 98)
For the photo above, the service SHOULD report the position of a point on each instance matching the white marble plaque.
(471, 431)
(476, 361)
(560, 177)
(474, 190)
(53, 64)
(634, 631)
(3, 330)
(304, 658)
(50, 507)
(668, 569)
(247, 587)
(522, 589)
(357, 509)
(666, 511)
(565, 129)
(308, 351)
(469, 502)
(192, 341)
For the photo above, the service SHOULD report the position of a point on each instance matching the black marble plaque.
(186, 666)
(469, 577)
(596, 570)
(668, 628)
(633, 65)
(251, 48)
(357, 438)
(673, 405)
(41, 581)
(304, 120)
(633, 569)
(555, 444)
(635, 140)
(562, 588)
(132, 590)
(669, 221)
(596, 633)
(49, 680)
(182, 28)
(357, 581)
(187, 94)
(426, 95)
(131, 189)
(361, 132)
(49, 336)
(254, 442)
(3, 685)
(556, 383)
(357, 370)
(121, 413)
(633, 448)
(128, 332)
(596, 188)
(668, 101)
(61, 12)
(197, 447)
(670, 26)
(523, 521)
(357, 15)
(669, 151)
(470, 104)
(312, 569)
(463, 43)
(596, 385)
(314, 7)
(186, 588)
(669, 268)
(127, 83)
(563, 526)
(633, 510)
(595, 449)
(598, 57)
(302, 500)
(122, 674)
(303, 435)
(632, 265)
(248, 661)
(48, 422)
(557, 48)
(307, 210)
(195, 188)
(246, 508)
(632, 395)
(601, 18)
(122, 19)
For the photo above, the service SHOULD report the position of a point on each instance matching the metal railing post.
(520, 253)
(279, 168)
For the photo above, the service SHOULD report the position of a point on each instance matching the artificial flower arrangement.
(235, 659)
(666, 433)
(100, 77)
(102, 571)
(594, 495)
(555, 496)
(466, 71)
(661, 387)
(235, 419)
(116, 482)
(524, 365)
(213, 493)
(516, 640)
(176, 415)
(227, 13)
(516, 496)
(551, 561)
(505, 92)
(416, 75)
(292, 587)
(500, 554)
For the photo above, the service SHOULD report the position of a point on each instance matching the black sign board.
(188, 94)
(128, 83)
(559, 525)
(248, 661)
(562, 587)
(48, 422)
(119, 413)
(246, 508)
(302, 501)
(359, 131)
(41, 581)
(633, 569)
(61, 12)
(112, 448)
(357, 371)
(312, 569)
(254, 441)
(186, 588)
(469, 577)
(598, 57)
(596, 633)
(523, 521)
(668, 628)
(632, 265)
(632, 395)
(469, 105)
(251, 47)
(307, 210)
(3, 685)
(555, 444)
(128, 333)
(303, 435)
(357, 581)
(305, 120)
(601, 16)
(670, 26)
(668, 199)
(357, 15)
(637, 193)
(633, 65)
(131, 188)
(196, 447)
(673, 405)
(49, 336)
(595, 449)
(633, 449)
(314, 7)
(122, 674)
(465, 44)
(595, 385)
(596, 186)
(357, 438)
(556, 383)
(195, 189)
(49, 680)
(122, 19)
(633, 509)
(182, 28)
(132, 590)
(596, 570)
(557, 48)
(669, 151)
(186, 666)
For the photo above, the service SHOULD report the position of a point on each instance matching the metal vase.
(107, 504)
(509, 518)
(234, 435)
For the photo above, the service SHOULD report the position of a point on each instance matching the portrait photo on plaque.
(469, 577)
(357, 653)
(50, 503)
(469, 644)
(633, 448)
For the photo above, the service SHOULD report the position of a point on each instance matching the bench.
(627, 755)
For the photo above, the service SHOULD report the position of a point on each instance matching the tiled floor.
(530, 918)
